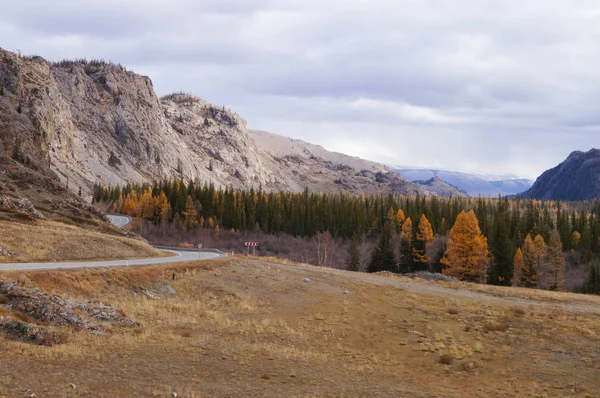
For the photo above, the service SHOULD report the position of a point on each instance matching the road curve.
(120, 221)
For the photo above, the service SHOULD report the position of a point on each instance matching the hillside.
(473, 185)
(86, 122)
(577, 178)
(438, 187)
(244, 327)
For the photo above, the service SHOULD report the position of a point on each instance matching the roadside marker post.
(252, 245)
(199, 249)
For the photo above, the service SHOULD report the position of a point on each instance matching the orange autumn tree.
(422, 243)
(518, 264)
(534, 255)
(466, 257)
(405, 261)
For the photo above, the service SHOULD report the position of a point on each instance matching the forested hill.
(577, 178)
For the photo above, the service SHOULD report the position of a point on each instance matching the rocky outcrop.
(92, 122)
(577, 178)
(38, 312)
(18, 205)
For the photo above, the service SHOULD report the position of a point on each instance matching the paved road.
(120, 221)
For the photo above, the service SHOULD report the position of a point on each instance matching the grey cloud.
(505, 86)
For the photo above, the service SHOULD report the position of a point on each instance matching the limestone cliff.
(85, 122)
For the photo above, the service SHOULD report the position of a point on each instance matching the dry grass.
(250, 328)
(51, 240)
(495, 327)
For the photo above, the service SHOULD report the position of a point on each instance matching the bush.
(495, 327)
(446, 359)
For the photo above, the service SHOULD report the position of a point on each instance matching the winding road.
(119, 221)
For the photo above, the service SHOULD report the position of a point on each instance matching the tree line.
(511, 241)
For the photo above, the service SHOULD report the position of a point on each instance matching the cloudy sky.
(504, 87)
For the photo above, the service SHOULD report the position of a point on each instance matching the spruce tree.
(501, 269)
(382, 258)
(353, 260)
(592, 283)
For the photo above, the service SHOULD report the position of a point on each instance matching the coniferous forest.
(500, 241)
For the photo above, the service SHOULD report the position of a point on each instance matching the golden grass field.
(46, 240)
(247, 327)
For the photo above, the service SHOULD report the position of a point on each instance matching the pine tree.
(501, 269)
(422, 243)
(353, 260)
(406, 263)
(518, 265)
(382, 258)
(592, 283)
(556, 262)
(466, 257)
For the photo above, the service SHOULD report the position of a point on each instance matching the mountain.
(84, 122)
(473, 185)
(577, 178)
(438, 187)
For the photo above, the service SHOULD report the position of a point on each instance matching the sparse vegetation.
(236, 317)
(53, 240)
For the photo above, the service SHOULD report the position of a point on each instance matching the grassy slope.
(46, 240)
(252, 328)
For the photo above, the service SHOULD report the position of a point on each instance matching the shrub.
(495, 327)
(518, 312)
(446, 359)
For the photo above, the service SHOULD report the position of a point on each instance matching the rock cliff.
(86, 122)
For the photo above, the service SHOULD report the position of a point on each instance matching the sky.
(480, 86)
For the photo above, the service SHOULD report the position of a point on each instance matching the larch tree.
(528, 276)
(518, 265)
(406, 254)
(466, 256)
(540, 250)
(556, 262)
(190, 213)
(422, 243)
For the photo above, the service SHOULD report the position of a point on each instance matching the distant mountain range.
(472, 184)
(577, 178)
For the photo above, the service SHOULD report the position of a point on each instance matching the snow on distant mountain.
(473, 184)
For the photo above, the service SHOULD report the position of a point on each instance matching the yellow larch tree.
(466, 256)
(518, 264)
(423, 241)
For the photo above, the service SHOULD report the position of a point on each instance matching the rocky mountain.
(577, 178)
(438, 187)
(472, 184)
(85, 122)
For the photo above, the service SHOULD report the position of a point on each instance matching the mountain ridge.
(472, 184)
(576, 178)
(86, 122)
